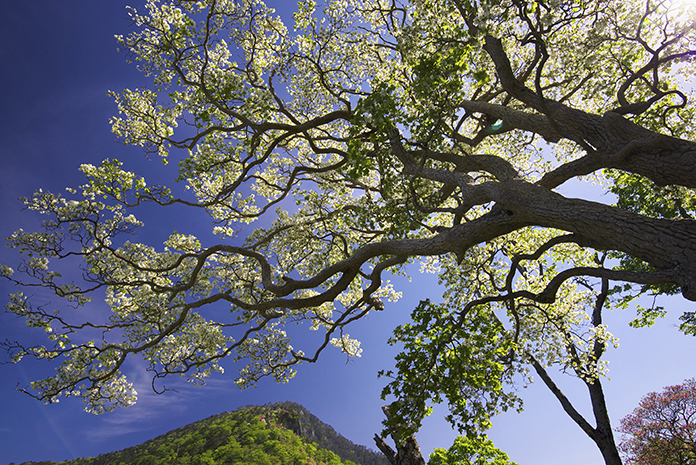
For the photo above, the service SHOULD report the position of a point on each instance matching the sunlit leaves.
(453, 357)
(349, 346)
(269, 354)
(346, 142)
(647, 316)
(146, 123)
(477, 450)
(640, 195)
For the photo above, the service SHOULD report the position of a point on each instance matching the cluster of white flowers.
(349, 346)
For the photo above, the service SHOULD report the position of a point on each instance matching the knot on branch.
(687, 280)
(374, 302)
(272, 313)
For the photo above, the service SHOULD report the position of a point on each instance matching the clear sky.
(57, 61)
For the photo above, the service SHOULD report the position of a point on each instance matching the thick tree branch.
(513, 119)
(408, 451)
(615, 141)
(561, 397)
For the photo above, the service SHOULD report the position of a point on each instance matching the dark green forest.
(275, 434)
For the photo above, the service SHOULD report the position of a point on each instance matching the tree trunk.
(408, 454)
(604, 435)
(408, 451)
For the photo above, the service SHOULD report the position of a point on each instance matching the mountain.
(273, 434)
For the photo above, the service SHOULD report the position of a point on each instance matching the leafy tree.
(470, 451)
(662, 429)
(369, 135)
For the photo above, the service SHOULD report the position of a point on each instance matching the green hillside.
(277, 434)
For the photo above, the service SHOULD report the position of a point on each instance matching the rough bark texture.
(609, 141)
(465, 185)
(408, 451)
(408, 454)
(601, 434)
(605, 437)
(666, 244)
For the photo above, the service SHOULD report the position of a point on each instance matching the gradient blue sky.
(57, 61)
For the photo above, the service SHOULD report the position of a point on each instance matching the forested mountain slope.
(275, 434)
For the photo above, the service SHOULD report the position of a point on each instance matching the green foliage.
(647, 316)
(688, 323)
(478, 450)
(368, 135)
(640, 195)
(277, 434)
(449, 356)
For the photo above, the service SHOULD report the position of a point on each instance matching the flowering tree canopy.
(662, 429)
(368, 135)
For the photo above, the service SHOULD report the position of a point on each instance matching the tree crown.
(662, 430)
(369, 135)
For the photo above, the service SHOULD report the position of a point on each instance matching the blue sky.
(58, 61)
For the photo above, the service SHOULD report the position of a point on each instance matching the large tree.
(369, 135)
